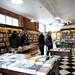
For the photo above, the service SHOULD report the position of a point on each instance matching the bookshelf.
(68, 34)
(33, 41)
(56, 36)
(5, 33)
(33, 37)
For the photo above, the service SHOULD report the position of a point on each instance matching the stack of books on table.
(38, 65)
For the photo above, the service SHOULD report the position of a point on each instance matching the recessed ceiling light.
(17, 1)
(32, 20)
(57, 18)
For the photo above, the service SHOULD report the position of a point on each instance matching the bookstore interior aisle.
(33, 17)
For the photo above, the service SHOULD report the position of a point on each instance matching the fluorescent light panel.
(17, 1)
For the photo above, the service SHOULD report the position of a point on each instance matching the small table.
(60, 52)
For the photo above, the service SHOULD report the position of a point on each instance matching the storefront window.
(8, 20)
(2, 19)
(41, 27)
(15, 22)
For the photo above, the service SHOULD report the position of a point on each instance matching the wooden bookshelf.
(33, 37)
(5, 33)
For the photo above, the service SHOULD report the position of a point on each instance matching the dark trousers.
(49, 47)
(41, 47)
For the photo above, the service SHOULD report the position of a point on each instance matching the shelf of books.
(5, 33)
(33, 41)
(68, 36)
(56, 37)
(33, 37)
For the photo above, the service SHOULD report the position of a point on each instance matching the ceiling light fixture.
(17, 2)
(57, 18)
(32, 20)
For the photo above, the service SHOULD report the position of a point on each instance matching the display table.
(60, 52)
(28, 47)
(21, 64)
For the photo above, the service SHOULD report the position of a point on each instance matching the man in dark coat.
(14, 40)
(49, 43)
(41, 43)
(22, 39)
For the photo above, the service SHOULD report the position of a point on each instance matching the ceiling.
(43, 11)
(30, 8)
(65, 9)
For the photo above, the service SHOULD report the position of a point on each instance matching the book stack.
(38, 65)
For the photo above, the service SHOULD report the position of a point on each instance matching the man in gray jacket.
(48, 42)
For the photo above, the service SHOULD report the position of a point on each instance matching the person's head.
(49, 33)
(9, 31)
(14, 32)
(22, 33)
